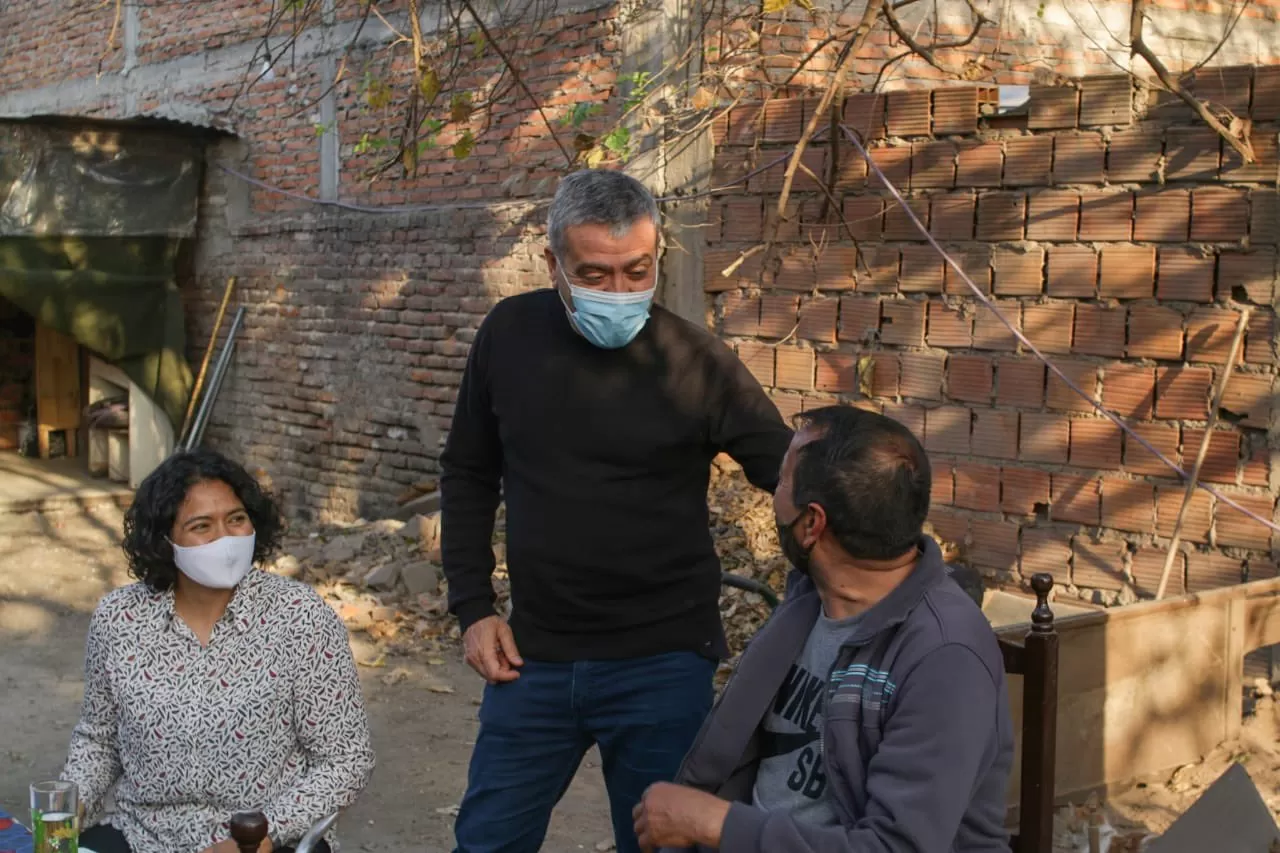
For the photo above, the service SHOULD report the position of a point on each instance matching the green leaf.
(460, 108)
(866, 370)
(477, 39)
(429, 85)
(594, 157)
(377, 93)
(464, 146)
(618, 140)
(580, 113)
(772, 7)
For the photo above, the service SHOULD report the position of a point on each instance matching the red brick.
(921, 270)
(1099, 331)
(1191, 154)
(1235, 528)
(979, 164)
(1129, 390)
(1155, 332)
(745, 123)
(818, 318)
(865, 216)
(1259, 339)
(1022, 489)
(1139, 460)
(835, 267)
(1148, 565)
(837, 373)
(1000, 216)
(1134, 156)
(778, 314)
(1017, 272)
(1195, 526)
(1053, 215)
(995, 545)
(1097, 564)
(978, 487)
(1106, 100)
(1248, 397)
(1062, 398)
(949, 525)
(1266, 154)
(788, 405)
(949, 327)
(1222, 87)
(795, 368)
(1027, 160)
(1162, 216)
(969, 377)
(1095, 443)
(1264, 217)
(911, 417)
(796, 271)
(1221, 458)
(715, 261)
(1247, 277)
(859, 318)
(1184, 275)
(784, 119)
(895, 162)
(995, 434)
(1256, 470)
(976, 263)
(1128, 505)
(1209, 334)
(943, 482)
(1219, 215)
(946, 430)
(1078, 159)
(741, 315)
(902, 322)
(1044, 437)
(884, 370)
(877, 269)
(933, 164)
(1260, 568)
(1049, 326)
(908, 113)
(1106, 215)
(1052, 107)
(951, 216)
(1212, 571)
(1266, 93)
(898, 225)
(1071, 271)
(1075, 498)
(770, 182)
(1047, 550)
(1182, 393)
(955, 110)
(1127, 272)
(921, 375)
(1020, 382)
(990, 333)
(758, 358)
(865, 113)
(743, 220)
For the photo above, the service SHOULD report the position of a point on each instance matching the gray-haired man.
(597, 414)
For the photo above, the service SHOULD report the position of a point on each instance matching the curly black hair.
(149, 520)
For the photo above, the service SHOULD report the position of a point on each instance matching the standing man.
(596, 415)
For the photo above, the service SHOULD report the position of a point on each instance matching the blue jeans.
(643, 713)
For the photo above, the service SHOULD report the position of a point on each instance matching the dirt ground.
(422, 705)
(53, 570)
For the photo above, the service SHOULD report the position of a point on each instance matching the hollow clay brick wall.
(1124, 245)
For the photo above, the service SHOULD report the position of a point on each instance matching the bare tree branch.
(925, 52)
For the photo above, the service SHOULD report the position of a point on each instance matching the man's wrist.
(472, 610)
(711, 825)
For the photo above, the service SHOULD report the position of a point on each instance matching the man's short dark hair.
(869, 474)
(149, 520)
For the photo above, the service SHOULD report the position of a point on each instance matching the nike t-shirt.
(790, 776)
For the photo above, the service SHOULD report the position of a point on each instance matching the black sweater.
(603, 458)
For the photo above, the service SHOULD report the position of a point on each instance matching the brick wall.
(1123, 244)
(17, 366)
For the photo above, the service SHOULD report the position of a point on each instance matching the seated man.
(870, 713)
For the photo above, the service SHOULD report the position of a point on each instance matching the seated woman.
(212, 687)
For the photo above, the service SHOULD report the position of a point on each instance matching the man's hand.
(491, 650)
(229, 846)
(675, 816)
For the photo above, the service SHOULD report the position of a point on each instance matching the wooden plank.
(1233, 682)
(57, 387)
(1262, 619)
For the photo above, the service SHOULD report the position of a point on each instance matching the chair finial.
(1042, 616)
(248, 829)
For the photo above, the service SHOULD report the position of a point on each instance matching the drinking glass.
(55, 817)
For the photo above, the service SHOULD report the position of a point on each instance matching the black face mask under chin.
(795, 553)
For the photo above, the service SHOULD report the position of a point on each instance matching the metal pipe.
(215, 383)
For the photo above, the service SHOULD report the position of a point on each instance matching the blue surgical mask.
(608, 320)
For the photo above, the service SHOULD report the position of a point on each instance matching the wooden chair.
(1036, 660)
(248, 829)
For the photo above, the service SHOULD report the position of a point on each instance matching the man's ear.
(550, 258)
(815, 526)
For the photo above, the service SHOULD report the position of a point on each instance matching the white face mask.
(220, 564)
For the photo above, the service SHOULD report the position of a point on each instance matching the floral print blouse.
(269, 716)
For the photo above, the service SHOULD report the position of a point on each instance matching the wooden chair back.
(1035, 658)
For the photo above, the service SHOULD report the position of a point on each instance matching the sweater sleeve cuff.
(472, 611)
(743, 827)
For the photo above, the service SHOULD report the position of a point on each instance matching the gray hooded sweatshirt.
(917, 741)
